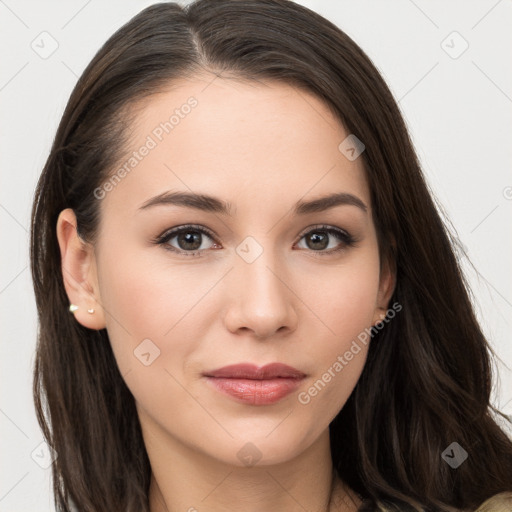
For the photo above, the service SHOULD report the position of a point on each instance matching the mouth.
(253, 385)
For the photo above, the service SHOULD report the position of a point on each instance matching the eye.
(318, 239)
(189, 240)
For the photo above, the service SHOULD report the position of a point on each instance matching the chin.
(266, 447)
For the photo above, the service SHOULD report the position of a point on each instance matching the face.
(188, 286)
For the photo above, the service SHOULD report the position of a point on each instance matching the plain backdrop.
(446, 62)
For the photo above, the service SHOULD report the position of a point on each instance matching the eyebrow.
(214, 205)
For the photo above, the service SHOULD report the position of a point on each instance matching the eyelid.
(324, 227)
(178, 229)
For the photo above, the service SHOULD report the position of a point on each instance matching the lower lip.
(256, 392)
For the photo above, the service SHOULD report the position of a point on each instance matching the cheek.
(140, 300)
(143, 296)
(337, 344)
(157, 308)
(344, 297)
(146, 310)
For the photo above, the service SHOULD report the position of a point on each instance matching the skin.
(262, 147)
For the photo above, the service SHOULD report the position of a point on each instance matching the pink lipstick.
(255, 385)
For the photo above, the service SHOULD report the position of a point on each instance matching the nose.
(261, 299)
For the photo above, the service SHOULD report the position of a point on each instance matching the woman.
(266, 309)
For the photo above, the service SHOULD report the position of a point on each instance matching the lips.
(251, 371)
(250, 384)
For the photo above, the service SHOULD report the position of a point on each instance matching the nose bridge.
(261, 301)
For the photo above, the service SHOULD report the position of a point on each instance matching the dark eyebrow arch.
(214, 205)
(190, 200)
(325, 203)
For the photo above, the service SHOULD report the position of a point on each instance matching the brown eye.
(186, 240)
(189, 240)
(317, 240)
(323, 239)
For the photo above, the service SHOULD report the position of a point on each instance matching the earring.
(382, 317)
(73, 308)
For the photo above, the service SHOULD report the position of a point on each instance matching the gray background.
(458, 109)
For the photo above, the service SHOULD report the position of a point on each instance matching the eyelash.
(346, 239)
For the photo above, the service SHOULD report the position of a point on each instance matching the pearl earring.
(74, 307)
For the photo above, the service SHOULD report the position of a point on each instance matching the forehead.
(261, 143)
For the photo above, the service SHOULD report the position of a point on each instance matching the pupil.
(189, 238)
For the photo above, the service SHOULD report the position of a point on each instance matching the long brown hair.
(427, 380)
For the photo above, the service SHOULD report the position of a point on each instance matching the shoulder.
(498, 503)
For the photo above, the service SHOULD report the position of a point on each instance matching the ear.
(78, 265)
(387, 282)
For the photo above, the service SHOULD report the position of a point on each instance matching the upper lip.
(251, 371)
